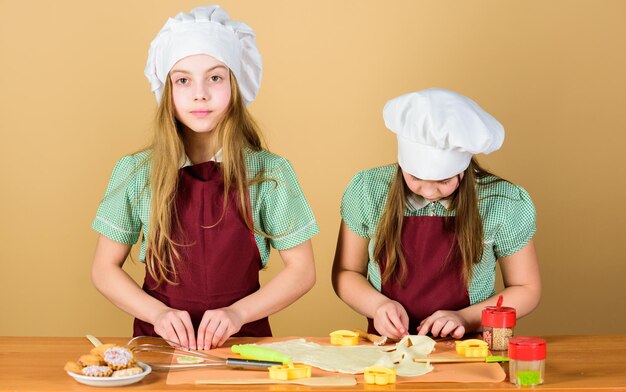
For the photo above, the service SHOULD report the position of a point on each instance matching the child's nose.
(428, 190)
(201, 93)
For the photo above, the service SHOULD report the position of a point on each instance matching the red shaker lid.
(527, 348)
(498, 316)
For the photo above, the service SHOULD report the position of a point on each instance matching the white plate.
(112, 381)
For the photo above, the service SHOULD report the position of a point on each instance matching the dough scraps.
(411, 346)
(354, 359)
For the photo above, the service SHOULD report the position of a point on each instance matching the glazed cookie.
(90, 360)
(118, 358)
(131, 371)
(97, 371)
(73, 367)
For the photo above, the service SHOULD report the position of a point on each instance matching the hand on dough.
(391, 320)
(443, 323)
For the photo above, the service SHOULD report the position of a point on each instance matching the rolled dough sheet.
(354, 359)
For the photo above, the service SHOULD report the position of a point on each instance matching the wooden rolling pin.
(460, 359)
(377, 340)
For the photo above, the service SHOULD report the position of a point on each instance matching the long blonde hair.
(235, 132)
(468, 226)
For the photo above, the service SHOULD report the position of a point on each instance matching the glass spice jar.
(498, 323)
(527, 361)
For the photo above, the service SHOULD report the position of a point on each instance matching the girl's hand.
(443, 323)
(391, 320)
(216, 326)
(176, 326)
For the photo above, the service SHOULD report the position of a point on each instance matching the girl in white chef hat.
(206, 197)
(419, 240)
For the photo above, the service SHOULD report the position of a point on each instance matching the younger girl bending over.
(419, 240)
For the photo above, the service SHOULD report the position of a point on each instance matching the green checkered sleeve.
(117, 218)
(364, 199)
(354, 205)
(284, 212)
(519, 225)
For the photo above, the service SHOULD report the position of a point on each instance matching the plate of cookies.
(107, 365)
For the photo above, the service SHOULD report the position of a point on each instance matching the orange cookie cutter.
(343, 337)
(289, 371)
(472, 348)
(379, 375)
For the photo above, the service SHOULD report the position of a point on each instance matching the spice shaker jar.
(498, 323)
(527, 360)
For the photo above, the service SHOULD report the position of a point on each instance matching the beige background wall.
(73, 99)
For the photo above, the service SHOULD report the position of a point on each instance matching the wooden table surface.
(574, 363)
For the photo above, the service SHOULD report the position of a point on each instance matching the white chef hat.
(438, 131)
(206, 30)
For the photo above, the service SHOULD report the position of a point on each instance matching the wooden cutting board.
(313, 381)
(456, 372)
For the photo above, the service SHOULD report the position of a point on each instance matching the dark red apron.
(219, 263)
(434, 279)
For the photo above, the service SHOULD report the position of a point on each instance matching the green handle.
(252, 351)
(496, 359)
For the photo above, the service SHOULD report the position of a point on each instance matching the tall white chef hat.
(206, 30)
(438, 131)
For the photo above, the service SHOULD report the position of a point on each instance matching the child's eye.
(215, 78)
(182, 81)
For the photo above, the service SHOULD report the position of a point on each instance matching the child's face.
(200, 92)
(432, 190)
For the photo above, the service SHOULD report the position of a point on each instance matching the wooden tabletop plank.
(574, 363)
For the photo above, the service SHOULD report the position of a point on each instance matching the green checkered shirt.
(278, 210)
(508, 221)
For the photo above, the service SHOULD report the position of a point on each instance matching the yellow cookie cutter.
(380, 375)
(289, 371)
(472, 348)
(343, 337)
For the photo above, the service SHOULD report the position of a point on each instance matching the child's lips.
(200, 113)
